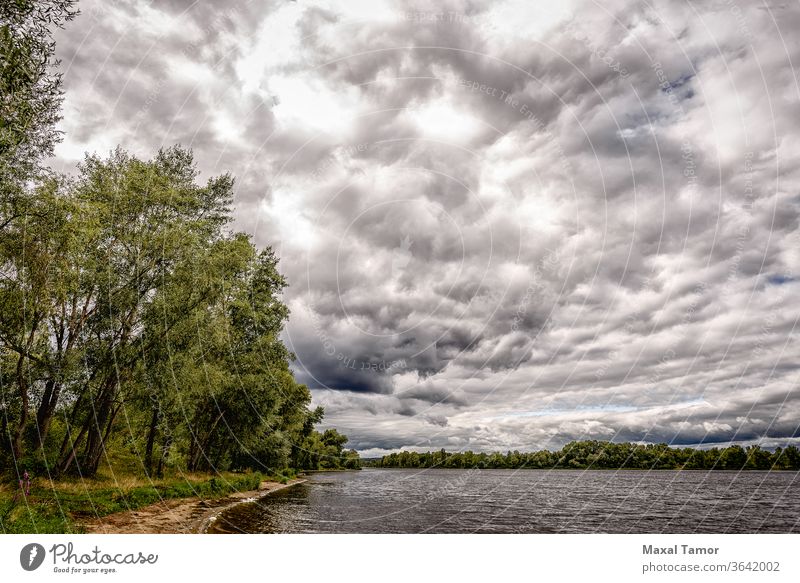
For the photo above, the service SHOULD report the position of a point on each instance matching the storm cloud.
(505, 225)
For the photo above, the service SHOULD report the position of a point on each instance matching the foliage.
(605, 455)
(30, 89)
(325, 451)
(135, 320)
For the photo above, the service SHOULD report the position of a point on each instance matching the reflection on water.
(526, 501)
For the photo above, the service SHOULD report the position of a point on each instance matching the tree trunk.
(70, 423)
(164, 454)
(200, 449)
(151, 440)
(47, 408)
(22, 383)
(99, 425)
(73, 452)
(5, 444)
(195, 452)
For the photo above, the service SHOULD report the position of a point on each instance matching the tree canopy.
(134, 318)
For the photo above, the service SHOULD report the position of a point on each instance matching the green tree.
(125, 292)
(30, 94)
(757, 458)
(733, 458)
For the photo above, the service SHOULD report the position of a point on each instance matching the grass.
(60, 506)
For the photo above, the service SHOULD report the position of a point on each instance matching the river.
(526, 501)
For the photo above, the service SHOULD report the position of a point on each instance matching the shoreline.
(179, 515)
(710, 470)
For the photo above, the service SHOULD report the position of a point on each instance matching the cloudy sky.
(505, 225)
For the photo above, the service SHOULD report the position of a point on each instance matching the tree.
(757, 458)
(30, 93)
(124, 292)
(33, 292)
(733, 458)
(786, 459)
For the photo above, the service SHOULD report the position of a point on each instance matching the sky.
(505, 224)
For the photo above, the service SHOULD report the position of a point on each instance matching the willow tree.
(149, 218)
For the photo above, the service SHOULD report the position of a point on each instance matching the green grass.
(60, 506)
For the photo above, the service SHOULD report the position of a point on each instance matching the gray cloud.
(504, 225)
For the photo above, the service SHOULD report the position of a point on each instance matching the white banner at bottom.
(369, 558)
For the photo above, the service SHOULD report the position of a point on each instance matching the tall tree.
(30, 99)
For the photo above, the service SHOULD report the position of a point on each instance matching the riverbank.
(75, 505)
(181, 516)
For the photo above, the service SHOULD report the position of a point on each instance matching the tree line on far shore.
(136, 326)
(605, 455)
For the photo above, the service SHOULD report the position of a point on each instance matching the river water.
(526, 501)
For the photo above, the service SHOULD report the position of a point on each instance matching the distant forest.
(604, 455)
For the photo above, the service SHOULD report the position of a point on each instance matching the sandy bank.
(178, 516)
